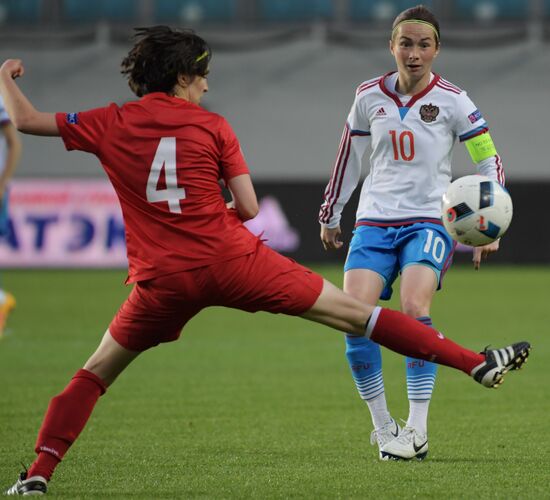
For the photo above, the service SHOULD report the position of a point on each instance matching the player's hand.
(13, 67)
(483, 252)
(331, 238)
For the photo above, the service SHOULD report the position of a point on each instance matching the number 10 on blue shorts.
(388, 250)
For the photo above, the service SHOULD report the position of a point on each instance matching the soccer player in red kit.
(187, 250)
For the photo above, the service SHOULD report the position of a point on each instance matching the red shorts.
(157, 309)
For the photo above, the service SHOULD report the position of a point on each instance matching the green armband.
(481, 147)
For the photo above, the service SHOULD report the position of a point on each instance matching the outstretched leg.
(409, 337)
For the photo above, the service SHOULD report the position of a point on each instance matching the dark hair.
(420, 13)
(160, 54)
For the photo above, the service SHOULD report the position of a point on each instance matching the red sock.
(409, 337)
(65, 418)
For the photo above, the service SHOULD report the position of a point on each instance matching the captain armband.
(481, 147)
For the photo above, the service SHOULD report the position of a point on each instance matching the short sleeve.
(232, 160)
(469, 121)
(85, 130)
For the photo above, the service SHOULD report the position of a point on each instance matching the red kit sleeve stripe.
(501, 178)
(335, 185)
(448, 89)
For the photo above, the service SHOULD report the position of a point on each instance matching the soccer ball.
(476, 210)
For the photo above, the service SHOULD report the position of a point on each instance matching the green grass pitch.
(257, 406)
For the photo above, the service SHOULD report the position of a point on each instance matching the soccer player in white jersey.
(10, 152)
(411, 118)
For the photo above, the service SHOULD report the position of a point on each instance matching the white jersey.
(410, 164)
(4, 118)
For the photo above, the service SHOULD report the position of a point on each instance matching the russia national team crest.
(428, 113)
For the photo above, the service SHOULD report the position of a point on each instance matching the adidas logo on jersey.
(381, 112)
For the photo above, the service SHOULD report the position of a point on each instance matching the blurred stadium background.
(249, 406)
(284, 74)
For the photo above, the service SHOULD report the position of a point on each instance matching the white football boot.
(384, 435)
(408, 445)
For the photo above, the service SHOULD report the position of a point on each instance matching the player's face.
(197, 88)
(414, 48)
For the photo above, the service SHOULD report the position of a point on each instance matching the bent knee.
(415, 307)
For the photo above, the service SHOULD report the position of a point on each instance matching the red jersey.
(165, 157)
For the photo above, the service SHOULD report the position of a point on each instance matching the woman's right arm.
(345, 175)
(22, 113)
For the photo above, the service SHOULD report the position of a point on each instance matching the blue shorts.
(389, 250)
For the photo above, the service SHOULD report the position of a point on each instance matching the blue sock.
(420, 384)
(365, 361)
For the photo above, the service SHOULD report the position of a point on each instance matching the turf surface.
(256, 406)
